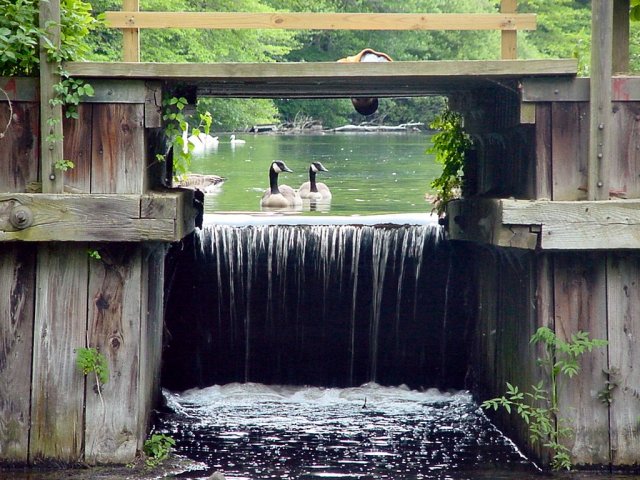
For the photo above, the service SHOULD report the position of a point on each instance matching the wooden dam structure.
(554, 174)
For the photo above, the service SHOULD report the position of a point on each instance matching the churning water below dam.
(303, 350)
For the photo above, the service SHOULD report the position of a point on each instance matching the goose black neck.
(273, 181)
(312, 180)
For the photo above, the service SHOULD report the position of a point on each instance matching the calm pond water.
(370, 173)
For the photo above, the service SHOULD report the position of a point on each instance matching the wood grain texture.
(163, 216)
(114, 329)
(509, 39)
(118, 149)
(51, 149)
(623, 295)
(543, 155)
(17, 290)
(624, 165)
(131, 36)
(600, 158)
(77, 148)
(19, 147)
(322, 21)
(151, 328)
(57, 417)
(581, 304)
(570, 145)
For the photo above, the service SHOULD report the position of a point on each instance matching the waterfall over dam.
(332, 305)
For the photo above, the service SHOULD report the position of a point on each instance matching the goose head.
(317, 167)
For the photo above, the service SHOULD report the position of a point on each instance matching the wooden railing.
(131, 20)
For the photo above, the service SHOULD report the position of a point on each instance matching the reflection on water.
(368, 173)
(254, 431)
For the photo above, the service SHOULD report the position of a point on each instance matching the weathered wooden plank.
(623, 294)
(481, 222)
(17, 291)
(153, 105)
(57, 420)
(563, 89)
(620, 60)
(50, 114)
(322, 21)
(542, 212)
(580, 304)
(118, 149)
(117, 91)
(543, 167)
(600, 149)
(317, 70)
(19, 146)
(624, 174)
(569, 144)
(509, 39)
(19, 89)
(114, 328)
(151, 327)
(82, 218)
(131, 36)
(77, 148)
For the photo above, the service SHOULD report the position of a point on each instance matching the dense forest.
(563, 32)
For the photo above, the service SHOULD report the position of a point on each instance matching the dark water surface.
(368, 173)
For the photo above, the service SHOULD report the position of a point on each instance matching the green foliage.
(20, 35)
(232, 114)
(157, 449)
(95, 254)
(176, 130)
(63, 165)
(540, 409)
(89, 360)
(634, 12)
(449, 147)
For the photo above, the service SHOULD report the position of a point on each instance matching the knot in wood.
(21, 217)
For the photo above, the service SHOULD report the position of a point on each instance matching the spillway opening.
(375, 299)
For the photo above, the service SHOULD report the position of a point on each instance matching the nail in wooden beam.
(51, 149)
(601, 116)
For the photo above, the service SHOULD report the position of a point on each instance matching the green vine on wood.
(449, 147)
(176, 129)
(540, 408)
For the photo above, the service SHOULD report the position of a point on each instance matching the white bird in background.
(236, 141)
(203, 141)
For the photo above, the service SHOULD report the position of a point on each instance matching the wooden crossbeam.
(322, 21)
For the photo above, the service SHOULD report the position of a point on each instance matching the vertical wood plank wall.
(596, 292)
(55, 299)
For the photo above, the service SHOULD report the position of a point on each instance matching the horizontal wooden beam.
(331, 79)
(166, 216)
(556, 225)
(322, 21)
(624, 89)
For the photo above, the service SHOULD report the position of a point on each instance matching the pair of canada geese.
(283, 196)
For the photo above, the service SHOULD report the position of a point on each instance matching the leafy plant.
(177, 129)
(449, 147)
(89, 360)
(157, 449)
(95, 254)
(539, 409)
(634, 12)
(63, 165)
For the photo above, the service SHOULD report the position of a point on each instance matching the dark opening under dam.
(325, 305)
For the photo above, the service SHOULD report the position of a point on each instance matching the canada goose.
(282, 196)
(313, 190)
(236, 141)
(199, 181)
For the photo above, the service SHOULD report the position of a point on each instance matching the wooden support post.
(621, 36)
(51, 115)
(601, 115)
(509, 37)
(131, 36)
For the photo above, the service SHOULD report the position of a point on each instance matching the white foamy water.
(260, 431)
